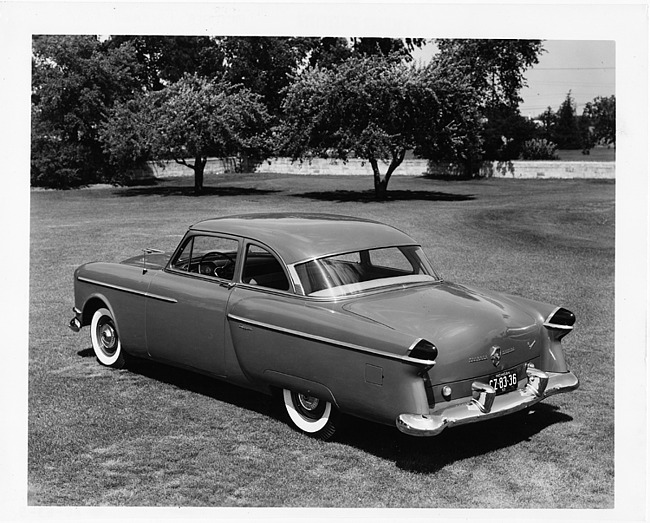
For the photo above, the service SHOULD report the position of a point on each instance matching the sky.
(584, 67)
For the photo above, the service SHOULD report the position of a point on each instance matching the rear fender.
(552, 353)
(358, 365)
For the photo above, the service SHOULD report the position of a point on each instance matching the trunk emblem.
(495, 355)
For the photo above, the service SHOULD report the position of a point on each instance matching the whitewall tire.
(106, 341)
(311, 415)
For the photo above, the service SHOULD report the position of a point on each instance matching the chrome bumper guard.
(75, 323)
(485, 404)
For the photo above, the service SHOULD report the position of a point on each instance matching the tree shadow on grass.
(343, 196)
(420, 455)
(189, 191)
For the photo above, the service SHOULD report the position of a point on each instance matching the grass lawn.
(154, 436)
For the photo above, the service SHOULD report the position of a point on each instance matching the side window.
(391, 258)
(263, 269)
(208, 256)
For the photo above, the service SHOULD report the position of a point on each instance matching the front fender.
(122, 289)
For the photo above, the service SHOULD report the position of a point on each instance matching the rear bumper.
(485, 404)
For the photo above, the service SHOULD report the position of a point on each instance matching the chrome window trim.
(203, 277)
(368, 292)
(283, 265)
(343, 253)
(193, 233)
(126, 289)
(298, 284)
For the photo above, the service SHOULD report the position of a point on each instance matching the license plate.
(504, 381)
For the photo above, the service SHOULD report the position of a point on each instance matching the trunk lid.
(466, 325)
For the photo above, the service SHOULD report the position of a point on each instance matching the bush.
(539, 149)
(55, 164)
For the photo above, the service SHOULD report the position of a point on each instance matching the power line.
(572, 68)
(587, 84)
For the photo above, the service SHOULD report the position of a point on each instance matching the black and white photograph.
(314, 260)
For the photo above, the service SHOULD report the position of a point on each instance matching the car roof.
(299, 237)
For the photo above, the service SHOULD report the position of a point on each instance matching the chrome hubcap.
(108, 337)
(308, 402)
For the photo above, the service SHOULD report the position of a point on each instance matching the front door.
(187, 304)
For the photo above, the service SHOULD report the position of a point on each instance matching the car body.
(335, 315)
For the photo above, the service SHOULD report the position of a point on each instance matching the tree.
(601, 117)
(189, 121)
(452, 116)
(504, 133)
(332, 51)
(403, 48)
(75, 82)
(376, 108)
(548, 119)
(566, 132)
(496, 67)
(163, 60)
(365, 107)
(265, 65)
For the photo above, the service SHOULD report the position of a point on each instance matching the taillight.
(425, 351)
(561, 320)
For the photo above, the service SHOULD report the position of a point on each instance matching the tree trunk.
(381, 185)
(199, 167)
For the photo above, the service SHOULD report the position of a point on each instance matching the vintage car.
(334, 315)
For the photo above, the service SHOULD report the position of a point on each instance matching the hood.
(154, 261)
(463, 323)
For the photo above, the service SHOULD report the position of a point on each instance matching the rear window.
(357, 271)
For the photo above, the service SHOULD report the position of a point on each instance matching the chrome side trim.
(410, 349)
(126, 289)
(329, 341)
(555, 326)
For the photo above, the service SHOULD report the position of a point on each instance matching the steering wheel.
(230, 265)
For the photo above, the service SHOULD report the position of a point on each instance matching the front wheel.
(313, 416)
(106, 342)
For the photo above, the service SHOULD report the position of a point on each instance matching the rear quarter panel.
(317, 348)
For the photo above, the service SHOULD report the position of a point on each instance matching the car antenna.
(144, 257)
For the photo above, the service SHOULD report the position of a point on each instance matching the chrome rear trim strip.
(329, 341)
(126, 289)
(555, 326)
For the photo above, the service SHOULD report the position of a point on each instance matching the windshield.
(357, 271)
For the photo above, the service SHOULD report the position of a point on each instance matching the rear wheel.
(106, 341)
(313, 416)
